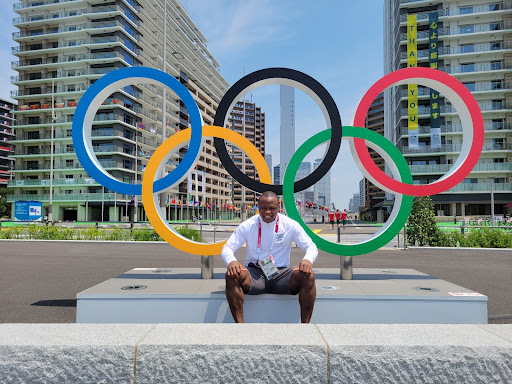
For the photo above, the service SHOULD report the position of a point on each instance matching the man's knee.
(238, 281)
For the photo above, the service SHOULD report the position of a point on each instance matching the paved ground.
(39, 280)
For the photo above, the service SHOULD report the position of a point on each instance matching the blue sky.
(339, 43)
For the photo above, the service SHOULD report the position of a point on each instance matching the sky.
(337, 42)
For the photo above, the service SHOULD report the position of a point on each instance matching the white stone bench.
(257, 353)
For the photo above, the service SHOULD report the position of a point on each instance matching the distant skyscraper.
(287, 132)
(268, 160)
(322, 188)
(6, 135)
(277, 174)
(303, 171)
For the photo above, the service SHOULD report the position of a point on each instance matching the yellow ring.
(161, 227)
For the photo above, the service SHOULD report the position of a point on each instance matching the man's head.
(268, 205)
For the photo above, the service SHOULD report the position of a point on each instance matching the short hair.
(268, 194)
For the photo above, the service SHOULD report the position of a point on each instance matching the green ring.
(385, 236)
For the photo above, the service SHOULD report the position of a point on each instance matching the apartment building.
(62, 47)
(7, 135)
(374, 197)
(474, 44)
(253, 129)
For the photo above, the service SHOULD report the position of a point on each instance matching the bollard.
(323, 219)
(339, 235)
(214, 234)
(346, 267)
(405, 237)
(462, 227)
(206, 267)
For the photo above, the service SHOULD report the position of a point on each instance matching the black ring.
(286, 74)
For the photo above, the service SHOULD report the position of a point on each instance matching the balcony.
(67, 30)
(39, 3)
(481, 187)
(67, 59)
(54, 46)
(443, 168)
(45, 92)
(455, 128)
(462, 30)
(499, 85)
(462, 50)
(80, 197)
(453, 148)
(60, 75)
(57, 16)
(448, 109)
(56, 182)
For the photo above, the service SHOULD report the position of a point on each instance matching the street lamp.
(492, 201)
(54, 118)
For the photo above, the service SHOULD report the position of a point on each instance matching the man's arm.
(305, 243)
(235, 241)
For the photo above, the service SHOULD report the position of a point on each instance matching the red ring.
(439, 185)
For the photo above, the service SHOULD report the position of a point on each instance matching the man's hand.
(234, 269)
(306, 267)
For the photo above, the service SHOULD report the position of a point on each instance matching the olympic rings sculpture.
(359, 138)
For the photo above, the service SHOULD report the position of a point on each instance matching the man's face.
(268, 207)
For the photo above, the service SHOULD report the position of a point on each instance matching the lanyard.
(258, 248)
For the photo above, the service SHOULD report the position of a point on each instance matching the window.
(468, 48)
(470, 181)
(467, 29)
(69, 163)
(499, 180)
(495, 46)
(32, 135)
(497, 124)
(470, 67)
(69, 133)
(69, 148)
(466, 10)
(495, 26)
(497, 104)
(498, 144)
(494, 7)
(495, 65)
(470, 86)
(69, 176)
(496, 84)
(499, 160)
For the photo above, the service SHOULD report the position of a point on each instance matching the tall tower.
(322, 188)
(287, 132)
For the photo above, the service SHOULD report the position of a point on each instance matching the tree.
(5, 208)
(422, 227)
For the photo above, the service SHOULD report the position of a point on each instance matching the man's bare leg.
(307, 293)
(236, 287)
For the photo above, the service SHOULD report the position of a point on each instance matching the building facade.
(7, 135)
(322, 188)
(62, 47)
(277, 174)
(287, 129)
(374, 197)
(474, 44)
(268, 160)
(253, 129)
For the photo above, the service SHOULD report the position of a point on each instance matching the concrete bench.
(255, 353)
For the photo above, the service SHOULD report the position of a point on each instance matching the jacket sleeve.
(234, 243)
(305, 243)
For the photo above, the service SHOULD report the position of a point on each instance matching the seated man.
(269, 237)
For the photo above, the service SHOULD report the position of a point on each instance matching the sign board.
(28, 210)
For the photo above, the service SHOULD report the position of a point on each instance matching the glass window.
(497, 104)
(466, 10)
(470, 67)
(470, 86)
(467, 29)
(495, 65)
(495, 26)
(497, 84)
(468, 48)
(497, 124)
(499, 160)
(495, 46)
(494, 7)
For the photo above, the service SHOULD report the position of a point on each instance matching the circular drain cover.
(329, 288)
(426, 289)
(162, 270)
(222, 287)
(133, 287)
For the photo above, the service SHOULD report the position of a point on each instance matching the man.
(338, 218)
(344, 218)
(269, 236)
(331, 219)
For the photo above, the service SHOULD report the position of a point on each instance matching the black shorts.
(279, 284)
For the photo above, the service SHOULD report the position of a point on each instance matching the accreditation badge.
(268, 266)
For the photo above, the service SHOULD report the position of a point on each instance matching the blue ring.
(140, 72)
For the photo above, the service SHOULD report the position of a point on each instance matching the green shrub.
(422, 227)
(145, 234)
(118, 234)
(189, 233)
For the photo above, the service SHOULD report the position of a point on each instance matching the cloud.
(234, 27)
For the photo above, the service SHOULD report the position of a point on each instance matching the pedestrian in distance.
(268, 237)
(344, 218)
(338, 218)
(331, 219)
